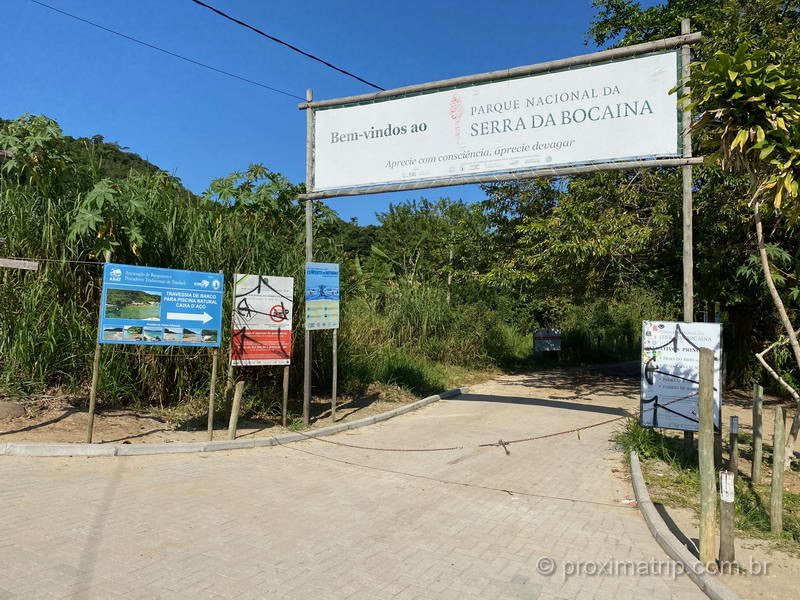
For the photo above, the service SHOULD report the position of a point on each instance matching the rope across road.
(500, 443)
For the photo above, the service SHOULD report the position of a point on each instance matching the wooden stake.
(733, 439)
(237, 399)
(335, 373)
(708, 483)
(776, 492)
(95, 377)
(285, 409)
(727, 551)
(758, 434)
(688, 444)
(212, 393)
(93, 392)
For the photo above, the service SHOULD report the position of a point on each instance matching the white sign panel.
(671, 373)
(598, 113)
(262, 320)
(547, 340)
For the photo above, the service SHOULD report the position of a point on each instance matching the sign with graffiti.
(160, 307)
(322, 295)
(262, 320)
(671, 373)
(547, 340)
(592, 114)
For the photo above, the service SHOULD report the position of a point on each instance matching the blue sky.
(201, 125)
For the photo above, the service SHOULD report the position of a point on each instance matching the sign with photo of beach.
(162, 307)
(322, 295)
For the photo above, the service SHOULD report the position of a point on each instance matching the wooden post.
(229, 381)
(237, 399)
(733, 439)
(776, 493)
(686, 170)
(95, 376)
(285, 409)
(718, 447)
(708, 483)
(335, 373)
(688, 444)
(309, 252)
(212, 392)
(758, 433)
(727, 551)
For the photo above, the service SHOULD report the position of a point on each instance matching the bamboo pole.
(758, 434)
(686, 171)
(309, 253)
(515, 176)
(776, 491)
(554, 65)
(708, 491)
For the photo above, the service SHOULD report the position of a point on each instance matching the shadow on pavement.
(608, 410)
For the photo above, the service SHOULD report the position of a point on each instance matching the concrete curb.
(42, 449)
(708, 584)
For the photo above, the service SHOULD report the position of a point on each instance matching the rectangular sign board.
(262, 320)
(322, 295)
(160, 307)
(547, 340)
(592, 114)
(671, 373)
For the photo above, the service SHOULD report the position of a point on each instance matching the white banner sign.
(599, 113)
(262, 320)
(671, 372)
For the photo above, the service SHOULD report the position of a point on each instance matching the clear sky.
(200, 125)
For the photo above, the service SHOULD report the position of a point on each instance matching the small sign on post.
(547, 340)
(322, 296)
(671, 373)
(262, 320)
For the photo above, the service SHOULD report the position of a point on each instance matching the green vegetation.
(674, 480)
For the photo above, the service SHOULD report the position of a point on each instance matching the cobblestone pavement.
(319, 521)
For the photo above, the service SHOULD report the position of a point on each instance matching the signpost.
(671, 373)
(547, 340)
(322, 312)
(322, 296)
(160, 307)
(156, 307)
(607, 110)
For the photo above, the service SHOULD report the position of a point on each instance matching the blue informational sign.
(322, 295)
(160, 307)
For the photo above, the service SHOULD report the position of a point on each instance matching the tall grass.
(48, 319)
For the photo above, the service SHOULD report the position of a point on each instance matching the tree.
(749, 105)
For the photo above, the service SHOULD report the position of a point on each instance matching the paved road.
(320, 521)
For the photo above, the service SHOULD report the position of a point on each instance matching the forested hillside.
(438, 286)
